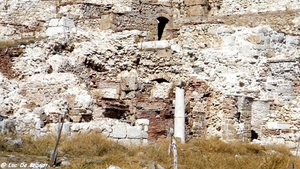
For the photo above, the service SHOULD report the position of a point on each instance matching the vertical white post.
(179, 121)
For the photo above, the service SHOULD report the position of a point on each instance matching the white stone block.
(119, 131)
(142, 122)
(296, 21)
(51, 31)
(66, 128)
(278, 125)
(291, 144)
(145, 142)
(134, 132)
(135, 141)
(85, 126)
(106, 134)
(66, 22)
(278, 140)
(75, 127)
(146, 128)
(108, 93)
(154, 45)
(124, 141)
(145, 134)
(161, 90)
(53, 22)
(162, 44)
(176, 48)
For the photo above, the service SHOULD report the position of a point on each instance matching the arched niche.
(162, 22)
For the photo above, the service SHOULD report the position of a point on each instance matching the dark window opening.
(237, 116)
(206, 95)
(254, 135)
(162, 21)
(161, 80)
(86, 117)
(114, 113)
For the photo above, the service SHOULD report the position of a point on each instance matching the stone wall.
(239, 68)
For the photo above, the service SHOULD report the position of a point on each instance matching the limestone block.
(195, 2)
(51, 31)
(75, 127)
(176, 48)
(260, 109)
(146, 128)
(83, 99)
(129, 80)
(278, 140)
(27, 119)
(66, 128)
(121, 8)
(2, 126)
(76, 118)
(142, 122)
(278, 125)
(134, 132)
(291, 144)
(129, 83)
(256, 39)
(135, 141)
(125, 141)
(66, 22)
(106, 127)
(106, 22)
(53, 22)
(85, 126)
(145, 142)
(296, 21)
(51, 108)
(295, 115)
(105, 133)
(94, 126)
(228, 40)
(161, 90)
(145, 134)
(154, 45)
(119, 131)
(148, 1)
(108, 93)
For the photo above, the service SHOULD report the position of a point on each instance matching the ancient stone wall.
(239, 68)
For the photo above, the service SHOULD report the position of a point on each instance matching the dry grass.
(91, 150)
(17, 42)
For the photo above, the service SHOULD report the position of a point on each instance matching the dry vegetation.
(93, 151)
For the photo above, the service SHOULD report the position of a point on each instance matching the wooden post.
(54, 155)
(297, 147)
(173, 148)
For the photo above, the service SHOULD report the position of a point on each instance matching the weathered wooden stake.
(297, 147)
(173, 148)
(54, 155)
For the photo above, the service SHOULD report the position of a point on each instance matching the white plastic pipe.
(179, 121)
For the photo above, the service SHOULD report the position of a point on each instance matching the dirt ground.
(6, 66)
